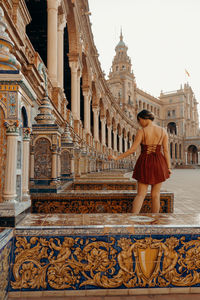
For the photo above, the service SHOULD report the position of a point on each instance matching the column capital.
(61, 22)
(73, 57)
(86, 90)
(103, 119)
(12, 127)
(26, 134)
(96, 109)
(53, 4)
(74, 66)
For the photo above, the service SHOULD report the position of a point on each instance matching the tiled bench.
(105, 255)
(95, 202)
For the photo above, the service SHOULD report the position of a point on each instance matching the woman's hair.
(145, 114)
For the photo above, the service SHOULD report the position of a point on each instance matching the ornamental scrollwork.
(74, 263)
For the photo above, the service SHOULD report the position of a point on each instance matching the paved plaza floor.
(185, 184)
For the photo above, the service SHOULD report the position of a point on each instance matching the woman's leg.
(155, 196)
(138, 201)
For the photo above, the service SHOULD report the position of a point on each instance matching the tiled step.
(96, 202)
(102, 185)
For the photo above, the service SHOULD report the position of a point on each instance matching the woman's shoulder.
(160, 128)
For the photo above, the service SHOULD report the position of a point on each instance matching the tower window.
(123, 67)
(117, 68)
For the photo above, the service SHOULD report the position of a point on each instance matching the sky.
(162, 38)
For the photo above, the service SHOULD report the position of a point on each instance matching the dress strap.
(161, 136)
(144, 136)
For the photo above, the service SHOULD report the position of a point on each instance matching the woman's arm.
(166, 150)
(133, 148)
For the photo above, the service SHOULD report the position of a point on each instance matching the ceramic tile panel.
(96, 202)
(6, 247)
(57, 263)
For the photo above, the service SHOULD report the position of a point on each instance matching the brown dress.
(151, 166)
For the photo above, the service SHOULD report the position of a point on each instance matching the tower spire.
(121, 36)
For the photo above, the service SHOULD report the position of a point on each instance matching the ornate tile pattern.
(116, 262)
(100, 185)
(91, 202)
(5, 260)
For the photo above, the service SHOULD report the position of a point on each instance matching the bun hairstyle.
(146, 115)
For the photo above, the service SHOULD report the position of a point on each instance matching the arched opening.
(37, 29)
(24, 117)
(123, 142)
(171, 150)
(2, 152)
(118, 134)
(192, 155)
(180, 152)
(176, 151)
(81, 102)
(171, 128)
(67, 70)
(128, 140)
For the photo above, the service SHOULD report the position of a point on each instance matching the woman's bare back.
(153, 135)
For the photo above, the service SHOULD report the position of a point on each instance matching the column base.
(9, 198)
(13, 212)
(45, 186)
(25, 197)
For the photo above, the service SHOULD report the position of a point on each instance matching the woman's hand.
(170, 171)
(112, 157)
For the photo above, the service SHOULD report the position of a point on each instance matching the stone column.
(109, 137)
(186, 162)
(74, 89)
(87, 101)
(198, 158)
(103, 131)
(120, 143)
(25, 165)
(115, 140)
(78, 92)
(61, 26)
(96, 123)
(59, 164)
(54, 164)
(32, 163)
(72, 164)
(173, 151)
(9, 193)
(52, 37)
(125, 144)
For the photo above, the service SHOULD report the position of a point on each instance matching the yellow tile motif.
(73, 263)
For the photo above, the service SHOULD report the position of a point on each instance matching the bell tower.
(121, 78)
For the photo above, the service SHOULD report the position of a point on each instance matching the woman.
(152, 167)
